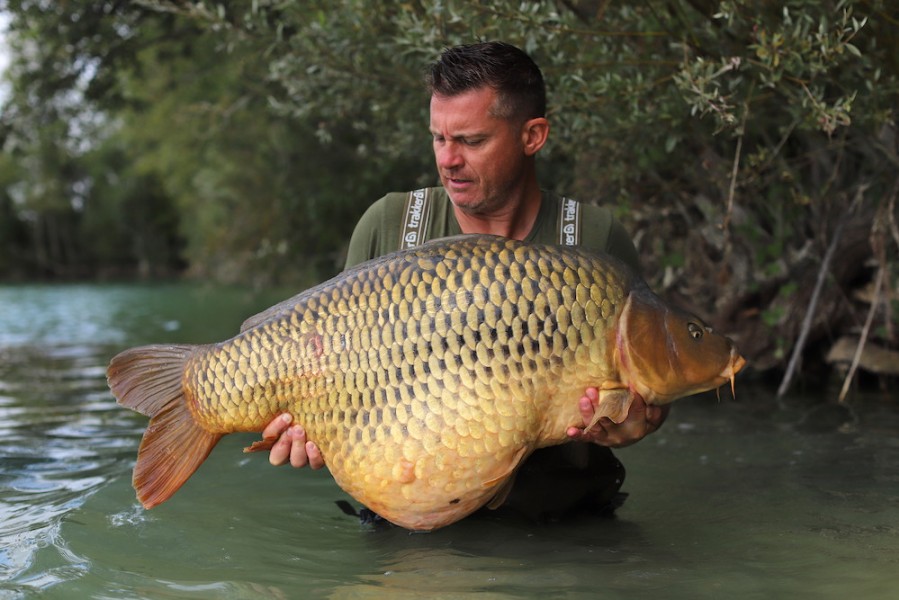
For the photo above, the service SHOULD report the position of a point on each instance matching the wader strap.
(415, 221)
(569, 222)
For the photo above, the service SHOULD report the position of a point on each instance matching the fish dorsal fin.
(271, 312)
(286, 306)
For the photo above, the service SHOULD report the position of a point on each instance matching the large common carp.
(426, 376)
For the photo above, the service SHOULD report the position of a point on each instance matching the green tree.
(145, 141)
(750, 148)
(56, 121)
(261, 197)
(740, 140)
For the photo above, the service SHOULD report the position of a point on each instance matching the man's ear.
(534, 133)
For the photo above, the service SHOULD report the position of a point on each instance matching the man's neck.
(515, 220)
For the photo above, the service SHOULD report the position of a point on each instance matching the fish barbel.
(427, 376)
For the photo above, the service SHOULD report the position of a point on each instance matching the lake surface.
(745, 498)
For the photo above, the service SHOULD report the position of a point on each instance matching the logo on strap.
(569, 222)
(415, 223)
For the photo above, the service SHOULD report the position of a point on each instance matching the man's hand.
(641, 421)
(291, 444)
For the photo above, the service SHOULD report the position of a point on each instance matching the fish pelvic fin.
(263, 445)
(148, 380)
(506, 479)
(503, 493)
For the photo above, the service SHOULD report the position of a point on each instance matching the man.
(488, 121)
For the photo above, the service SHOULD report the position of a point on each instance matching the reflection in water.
(58, 318)
(499, 557)
(745, 499)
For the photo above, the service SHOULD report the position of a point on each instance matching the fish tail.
(148, 380)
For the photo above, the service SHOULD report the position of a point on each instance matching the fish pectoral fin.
(506, 479)
(613, 404)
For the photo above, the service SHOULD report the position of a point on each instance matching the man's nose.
(448, 156)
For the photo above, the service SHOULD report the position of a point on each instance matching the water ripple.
(726, 500)
(62, 438)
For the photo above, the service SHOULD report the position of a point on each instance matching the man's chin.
(466, 202)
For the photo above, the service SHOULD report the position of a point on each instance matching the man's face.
(480, 157)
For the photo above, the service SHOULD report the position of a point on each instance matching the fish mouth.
(736, 364)
(728, 374)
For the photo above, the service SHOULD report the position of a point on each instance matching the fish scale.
(320, 376)
(425, 377)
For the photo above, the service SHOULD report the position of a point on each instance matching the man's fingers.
(303, 452)
(280, 452)
(277, 426)
(642, 419)
(298, 457)
(314, 455)
(292, 445)
(585, 405)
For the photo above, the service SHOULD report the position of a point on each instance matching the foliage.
(151, 144)
(733, 137)
(53, 123)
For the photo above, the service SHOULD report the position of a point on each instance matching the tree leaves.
(263, 128)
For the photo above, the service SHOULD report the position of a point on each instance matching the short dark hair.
(505, 68)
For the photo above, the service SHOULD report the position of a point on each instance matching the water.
(732, 499)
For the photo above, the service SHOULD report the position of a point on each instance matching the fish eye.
(695, 331)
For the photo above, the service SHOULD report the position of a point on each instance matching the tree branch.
(816, 294)
(864, 338)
